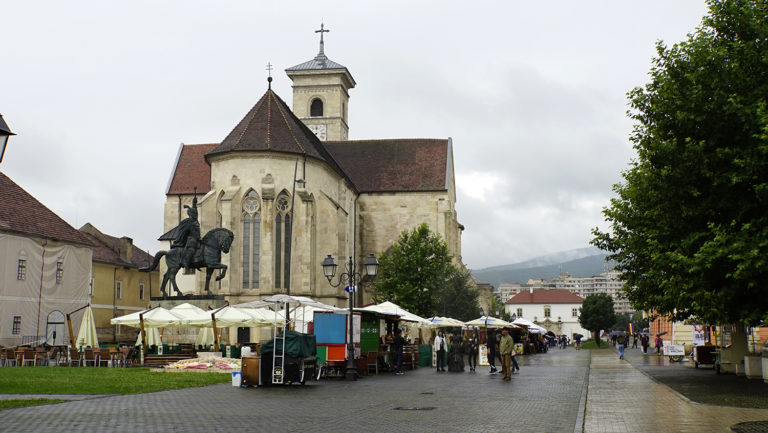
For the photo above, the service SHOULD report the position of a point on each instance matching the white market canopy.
(446, 322)
(387, 307)
(155, 318)
(277, 302)
(230, 316)
(491, 322)
(532, 327)
(186, 310)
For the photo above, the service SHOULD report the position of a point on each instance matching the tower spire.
(321, 54)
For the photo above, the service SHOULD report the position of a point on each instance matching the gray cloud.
(532, 94)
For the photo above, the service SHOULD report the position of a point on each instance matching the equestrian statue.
(189, 251)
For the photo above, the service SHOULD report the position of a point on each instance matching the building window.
(575, 312)
(21, 272)
(547, 311)
(316, 109)
(119, 289)
(282, 242)
(519, 312)
(141, 290)
(16, 328)
(251, 240)
(59, 272)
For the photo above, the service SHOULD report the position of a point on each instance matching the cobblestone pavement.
(702, 384)
(562, 391)
(545, 397)
(620, 398)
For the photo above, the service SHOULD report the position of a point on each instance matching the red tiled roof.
(546, 296)
(192, 170)
(107, 251)
(271, 126)
(394, 165)
(397, 165)
(22, 213)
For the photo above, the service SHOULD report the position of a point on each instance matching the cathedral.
(293, 189)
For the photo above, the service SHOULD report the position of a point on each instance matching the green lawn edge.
(83, 380)
(22, 402)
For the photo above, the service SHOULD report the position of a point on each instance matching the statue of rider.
(188, 235)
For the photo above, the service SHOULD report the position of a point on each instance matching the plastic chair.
(28, 356)
(74, 357)
(90, 356)
(8, 357)
(41, 355)
(373, 361)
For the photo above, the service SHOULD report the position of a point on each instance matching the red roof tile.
(191, 170)
(394, 165)
(21, 213)
(271, 126)
(107, 250)
(546, 296)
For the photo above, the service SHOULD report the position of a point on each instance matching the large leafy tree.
(597, 314)
(689, 225)
(414, 272)
(458, 298)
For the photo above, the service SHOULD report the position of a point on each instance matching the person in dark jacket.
(473, 345)
(398, 344)
(492, 352)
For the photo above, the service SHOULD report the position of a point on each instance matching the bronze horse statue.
(207, 255)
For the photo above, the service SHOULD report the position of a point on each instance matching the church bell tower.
(321, 94)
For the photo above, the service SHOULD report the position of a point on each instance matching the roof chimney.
(126, 248)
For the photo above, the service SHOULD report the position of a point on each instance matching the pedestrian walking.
(634, 341)
(621, 342)
(492, 343)
(440, 346)
(473, 346)
(644, 342)
(658, 345)
(398, 343)
(506, 347)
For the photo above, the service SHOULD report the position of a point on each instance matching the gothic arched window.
(282, 241)
(251, 240)
(316, 109)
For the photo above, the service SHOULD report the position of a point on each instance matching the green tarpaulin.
(297, 345)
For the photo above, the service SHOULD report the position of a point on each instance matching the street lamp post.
(5, 133)
(351, 278)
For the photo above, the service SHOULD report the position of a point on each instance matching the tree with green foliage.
(689, 225)
(459, 296)
(414, 272)
(596, 314)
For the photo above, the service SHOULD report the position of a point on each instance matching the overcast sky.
(533, 95)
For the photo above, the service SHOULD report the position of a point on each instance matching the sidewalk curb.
(582, 412)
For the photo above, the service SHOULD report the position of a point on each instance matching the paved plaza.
(561, 391)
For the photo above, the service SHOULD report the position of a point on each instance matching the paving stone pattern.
(543, 398)
(562, 391)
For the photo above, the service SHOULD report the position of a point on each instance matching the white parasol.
(86, 336)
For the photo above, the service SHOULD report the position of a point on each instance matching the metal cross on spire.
(321, 31)
(269, 71)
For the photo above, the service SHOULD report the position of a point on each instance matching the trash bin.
(237, 378)
(765, 364)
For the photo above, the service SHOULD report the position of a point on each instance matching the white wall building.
(557, 310)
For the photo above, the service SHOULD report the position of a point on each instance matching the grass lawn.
(5, 404)
(592, 345)
(83, 380)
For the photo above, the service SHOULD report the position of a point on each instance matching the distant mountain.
(583, 262)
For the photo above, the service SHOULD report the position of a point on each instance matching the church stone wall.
(322, 221)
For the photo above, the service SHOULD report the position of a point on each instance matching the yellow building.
(117, 285)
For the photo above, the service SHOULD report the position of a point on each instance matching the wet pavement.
(561, 391)
(702, 384)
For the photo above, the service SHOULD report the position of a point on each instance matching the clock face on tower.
(319, 130)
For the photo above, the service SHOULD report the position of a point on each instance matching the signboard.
(697, 332)
(674, 350)
(483, 358)
(350, 289)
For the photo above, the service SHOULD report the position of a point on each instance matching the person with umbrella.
(577, 338)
